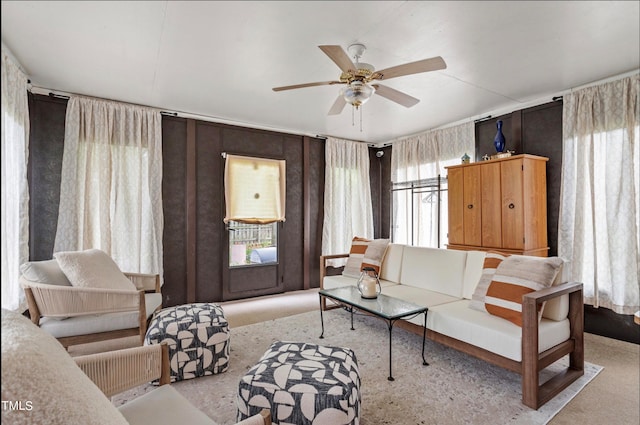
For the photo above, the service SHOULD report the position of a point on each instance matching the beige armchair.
(78, 315)
(56, 389)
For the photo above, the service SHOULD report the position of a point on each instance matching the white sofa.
(444, 281)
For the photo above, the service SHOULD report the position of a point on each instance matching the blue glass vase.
(499, 141)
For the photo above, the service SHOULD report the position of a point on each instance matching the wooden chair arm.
(553, 292)
(148, 282)
(323, 265)
(117, 371)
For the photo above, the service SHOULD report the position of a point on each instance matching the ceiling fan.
(359, 75)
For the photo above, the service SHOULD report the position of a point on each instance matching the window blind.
(255, 189)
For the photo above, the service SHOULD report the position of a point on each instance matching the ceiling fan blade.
(395, 95)
(299, 86)
(425, 65)
(340, 57)
(338, 105)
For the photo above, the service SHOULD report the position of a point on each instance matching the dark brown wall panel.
(537, 131)
(174, 160)
(486, 131)
(316, 210)
(293, 228)
(375, 179)
(542, 135)
(380, 177)
(46, 145)
(209, 211)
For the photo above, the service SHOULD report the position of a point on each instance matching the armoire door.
(491, 205)
(455, 184)
(472, 216)
(512, 204)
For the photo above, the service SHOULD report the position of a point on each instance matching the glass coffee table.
(385, 307)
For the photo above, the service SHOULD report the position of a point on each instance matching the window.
(418, 170)
(111, 183)
(420, 212)
(254, 190)
(255, 203)
(252, 243)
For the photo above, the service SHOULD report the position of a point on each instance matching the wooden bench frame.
(534, 395)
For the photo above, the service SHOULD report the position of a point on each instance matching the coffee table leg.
(424, 337)
(321, 319)
(351, 310)
(390, 378)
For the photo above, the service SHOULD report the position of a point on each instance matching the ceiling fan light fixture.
(357, 93)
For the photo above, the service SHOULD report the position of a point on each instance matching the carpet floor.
(454, 389)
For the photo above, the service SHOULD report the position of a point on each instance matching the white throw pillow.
(47, 272)
(38, 373)
(92, 268)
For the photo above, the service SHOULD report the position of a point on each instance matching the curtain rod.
(482, 119)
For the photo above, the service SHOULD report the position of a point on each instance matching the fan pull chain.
(361, 119)
(353, 120)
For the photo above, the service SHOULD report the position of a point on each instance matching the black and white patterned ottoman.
(197, 336)
(303, 384)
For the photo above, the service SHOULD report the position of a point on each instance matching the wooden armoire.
(499, 205)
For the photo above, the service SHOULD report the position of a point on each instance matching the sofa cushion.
(164, 405)
(47, 272)
(392, 263)
(356, 254)
(491, 262)
(92, 268)
(440, 270)
(37, 370)
(516, 276)
(94, 323)
(489, 332)
(420, 296)
(472, 272)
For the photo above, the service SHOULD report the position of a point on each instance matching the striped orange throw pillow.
(356, 255)
(516, 276)
(491, 262)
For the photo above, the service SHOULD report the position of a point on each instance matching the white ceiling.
(221, 59)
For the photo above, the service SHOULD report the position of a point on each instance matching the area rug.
(454, 389)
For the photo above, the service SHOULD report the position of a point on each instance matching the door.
(512, 204)
(472, 216)
(253, 256)
(251, 249)
(491, 205)
(455, 184)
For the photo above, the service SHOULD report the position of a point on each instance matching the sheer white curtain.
(421, 157)
(15, 190)
(111, 185)
(600, 200)
(347, 195)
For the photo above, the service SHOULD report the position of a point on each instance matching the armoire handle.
(470, 206)
(511, 206)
